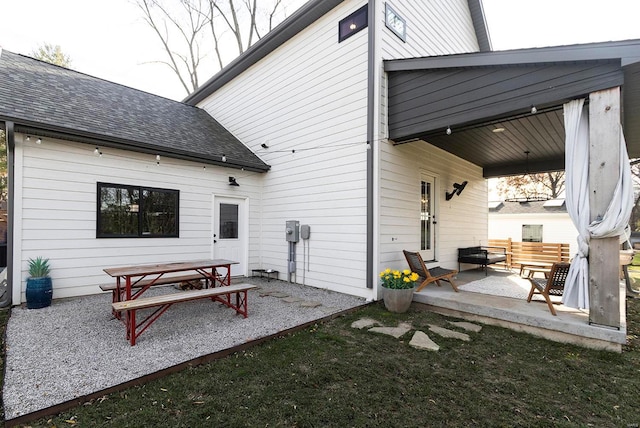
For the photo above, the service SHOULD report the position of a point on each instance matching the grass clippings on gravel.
(332, 375)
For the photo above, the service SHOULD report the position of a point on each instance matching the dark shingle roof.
(41, 96)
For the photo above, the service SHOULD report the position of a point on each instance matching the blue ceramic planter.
(39, 292)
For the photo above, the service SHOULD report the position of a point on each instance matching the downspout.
(11, 145)
(371, 92)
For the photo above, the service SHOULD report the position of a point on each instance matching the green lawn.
(332, 375)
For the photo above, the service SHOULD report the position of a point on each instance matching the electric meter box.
(293, 230)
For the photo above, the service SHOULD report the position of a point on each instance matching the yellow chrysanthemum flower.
(406, 272)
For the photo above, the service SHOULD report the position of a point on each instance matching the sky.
(108, 38)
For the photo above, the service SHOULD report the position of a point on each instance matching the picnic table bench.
(117, 293)
(165, 301)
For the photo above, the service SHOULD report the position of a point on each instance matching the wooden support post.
(604, 164)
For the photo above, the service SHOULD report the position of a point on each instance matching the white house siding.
(433, 28)
(461, 221)
(56, 211)
(441, 27)
(308, 96)
(556, 228)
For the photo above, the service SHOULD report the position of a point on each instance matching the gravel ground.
(75, 347)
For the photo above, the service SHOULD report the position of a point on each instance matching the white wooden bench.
(163, 302)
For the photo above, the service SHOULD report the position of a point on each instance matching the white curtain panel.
(576, 126)
(615, 221)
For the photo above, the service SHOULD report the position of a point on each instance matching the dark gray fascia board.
(480, 25)
(548, 165)
(123, 144)
(301, 19)
(627, 51)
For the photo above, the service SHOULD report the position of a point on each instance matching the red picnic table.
(142, 277)
(216, 273)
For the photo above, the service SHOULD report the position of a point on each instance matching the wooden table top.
(537, 264)
(141, 270)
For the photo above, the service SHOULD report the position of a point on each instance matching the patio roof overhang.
(486, 100)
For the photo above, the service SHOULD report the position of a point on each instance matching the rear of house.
(371, 123)
(299, 130)
(314, 109)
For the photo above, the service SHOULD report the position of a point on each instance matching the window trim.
(141, 190)
(388, 10)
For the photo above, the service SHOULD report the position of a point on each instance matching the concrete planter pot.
(397, 300)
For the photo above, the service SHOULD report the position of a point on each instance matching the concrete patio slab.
(569, 326)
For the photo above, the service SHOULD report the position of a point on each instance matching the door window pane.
(425, 216)
(228, 221)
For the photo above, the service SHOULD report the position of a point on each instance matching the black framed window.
(357, 21)
(135, 212)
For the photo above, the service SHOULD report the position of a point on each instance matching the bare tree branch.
(168, 22)
(189, 29)
(232, 21)
(273, 13)
(252, 20)
(549, 185)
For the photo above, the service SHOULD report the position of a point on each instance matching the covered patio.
(505, 111)
(569, 326)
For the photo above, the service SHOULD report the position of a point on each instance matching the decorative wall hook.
(457, 189)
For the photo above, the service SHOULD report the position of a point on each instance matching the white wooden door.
(230, 232)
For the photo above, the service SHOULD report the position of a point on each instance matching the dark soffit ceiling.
(598, 66)
(501, 146)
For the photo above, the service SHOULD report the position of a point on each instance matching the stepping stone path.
(420, 339)
(397, 332)
(467, 326)
(310, 304)
(449, 333)
(289, 299)
(364, 323)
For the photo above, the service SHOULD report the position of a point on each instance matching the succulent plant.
(38, 267)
